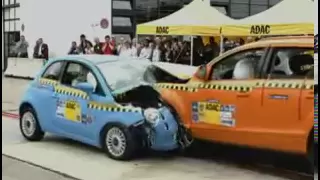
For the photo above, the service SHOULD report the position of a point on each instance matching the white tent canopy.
(196, 18)
(297, 13)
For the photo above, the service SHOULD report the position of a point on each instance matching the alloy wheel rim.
(116, 142)
(28, 124)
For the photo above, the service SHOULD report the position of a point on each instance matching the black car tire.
(119, 143)
(29, 125)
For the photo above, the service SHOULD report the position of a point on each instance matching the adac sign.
(162, 30)
(260, 29)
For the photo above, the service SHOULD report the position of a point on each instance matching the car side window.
(76, 73)
(291, 63)
(241, 65)
(53, 72)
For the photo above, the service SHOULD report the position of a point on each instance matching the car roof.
(283, 41)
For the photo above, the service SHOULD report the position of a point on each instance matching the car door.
(44, 91)
(223, 107)
(73, 116)
(283, 93)
(71, 103)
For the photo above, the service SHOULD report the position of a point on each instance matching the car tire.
(119, 142)
(29, 125)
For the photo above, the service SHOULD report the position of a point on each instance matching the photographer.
(108, 47)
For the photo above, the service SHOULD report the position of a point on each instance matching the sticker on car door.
(213, 112)
(73, 111)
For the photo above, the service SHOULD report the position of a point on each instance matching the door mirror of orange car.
(201, 72)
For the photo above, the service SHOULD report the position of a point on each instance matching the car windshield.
(126, 74)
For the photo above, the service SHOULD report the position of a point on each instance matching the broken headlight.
(152, 116)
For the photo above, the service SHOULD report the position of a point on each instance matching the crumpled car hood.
(178, 70)
(183, 72)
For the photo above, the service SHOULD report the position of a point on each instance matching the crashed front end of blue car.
(160, 130)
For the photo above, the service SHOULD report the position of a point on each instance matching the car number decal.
(213, 112)
(72, 111)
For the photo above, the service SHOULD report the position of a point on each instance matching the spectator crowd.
(155, 48)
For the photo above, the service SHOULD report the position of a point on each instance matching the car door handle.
(243, 94)
(309, 97)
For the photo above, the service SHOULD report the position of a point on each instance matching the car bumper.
(163, 137)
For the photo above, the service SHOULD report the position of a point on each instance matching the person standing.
(146, 51)
(126, 50)
(22, 48)
(84, 44)
(41, 50)
(108, 46)
(121, 45)
(97, 48)
(134, 48)
(73, 49)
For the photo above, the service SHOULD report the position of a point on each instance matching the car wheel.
(29, 125)
(119, 143)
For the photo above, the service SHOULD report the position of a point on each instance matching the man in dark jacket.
(84, 44)
(41, 50)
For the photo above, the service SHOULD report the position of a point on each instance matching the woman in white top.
(134, 48)
(146, 51)
(156, 54)
(126, 50)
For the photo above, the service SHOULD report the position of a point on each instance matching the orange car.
(259, 95)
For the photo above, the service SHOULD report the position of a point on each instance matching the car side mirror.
(85, 86)
(201, 72)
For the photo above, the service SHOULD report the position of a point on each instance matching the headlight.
(152, 116)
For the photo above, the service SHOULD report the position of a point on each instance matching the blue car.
(104, 101)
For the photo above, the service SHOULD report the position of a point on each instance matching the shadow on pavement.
(272, 163)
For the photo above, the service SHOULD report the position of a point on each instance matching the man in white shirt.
(146, 51)
(121, 45)
(126, 50)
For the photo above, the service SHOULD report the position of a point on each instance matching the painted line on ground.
(10, 115)
(41, 167)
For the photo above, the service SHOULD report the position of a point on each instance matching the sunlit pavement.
(87, 163)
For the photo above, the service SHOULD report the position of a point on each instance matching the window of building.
(273, 2)
(121, 4)
(239, 10)
(11, 26)
(121, 21)
(255, 9)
